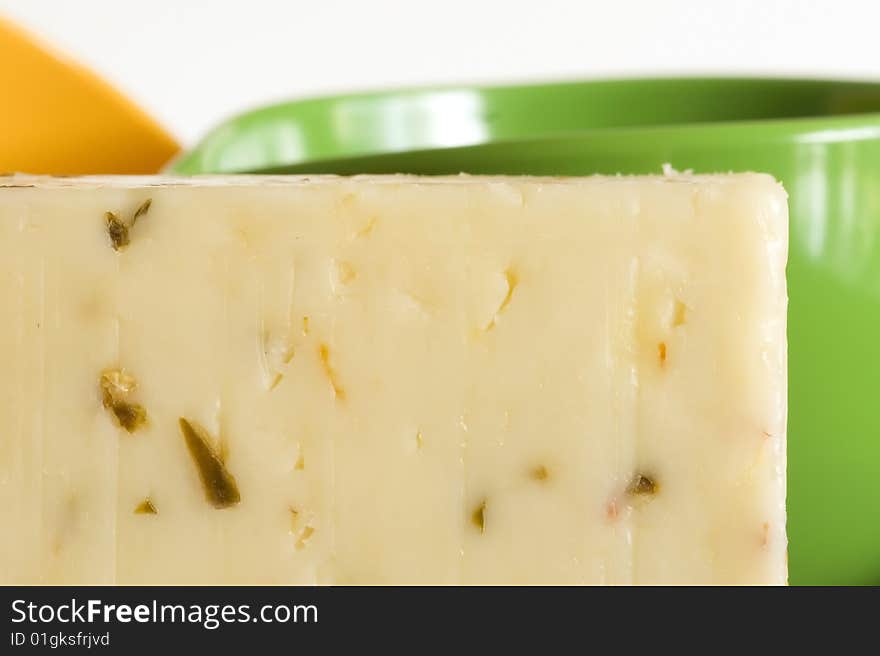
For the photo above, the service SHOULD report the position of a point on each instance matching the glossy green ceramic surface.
(821, 139)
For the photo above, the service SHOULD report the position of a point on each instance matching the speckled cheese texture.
(393, 380)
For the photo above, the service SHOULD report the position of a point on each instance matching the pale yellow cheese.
(411, 380)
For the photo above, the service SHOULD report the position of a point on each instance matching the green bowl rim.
(784, 127)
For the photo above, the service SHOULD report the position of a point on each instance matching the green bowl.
(820, 138)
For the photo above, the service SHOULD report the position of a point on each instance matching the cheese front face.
(393, 380)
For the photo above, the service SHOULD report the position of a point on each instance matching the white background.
(192, 63)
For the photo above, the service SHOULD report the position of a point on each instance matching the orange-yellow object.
(56, 117)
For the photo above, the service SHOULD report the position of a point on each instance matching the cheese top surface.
(393, 380)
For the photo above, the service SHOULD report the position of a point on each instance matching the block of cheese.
(393, 380)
